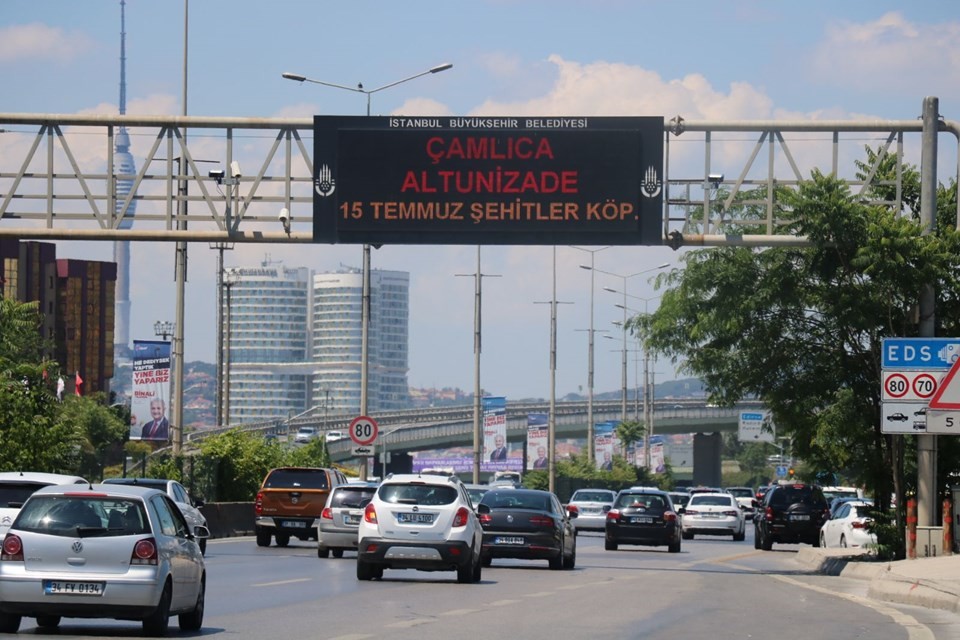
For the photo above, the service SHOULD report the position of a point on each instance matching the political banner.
(537, 441)
(151, 389)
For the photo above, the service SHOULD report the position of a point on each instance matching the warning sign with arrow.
(943, 415)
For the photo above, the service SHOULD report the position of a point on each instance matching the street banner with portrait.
(603, 444)
(537, 441)
(496, 452)
(151, 389)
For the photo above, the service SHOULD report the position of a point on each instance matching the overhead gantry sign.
(497, 180)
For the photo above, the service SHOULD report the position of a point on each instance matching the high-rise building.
(76, 300)
(337, 340)
(266, 342)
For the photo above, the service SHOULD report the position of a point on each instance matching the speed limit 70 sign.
(364, 430)
(910, 386)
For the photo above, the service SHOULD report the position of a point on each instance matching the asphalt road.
(715, 588)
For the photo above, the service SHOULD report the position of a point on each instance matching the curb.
(894, 588)
(885, 584)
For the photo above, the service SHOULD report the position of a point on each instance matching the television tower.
(125, 167)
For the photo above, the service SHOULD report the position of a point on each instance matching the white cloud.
(40, 42)
(890, 54)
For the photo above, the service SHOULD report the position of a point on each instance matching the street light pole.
(477, 348)
(591, 453)
(365, 311)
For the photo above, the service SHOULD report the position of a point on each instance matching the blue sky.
(705, 60)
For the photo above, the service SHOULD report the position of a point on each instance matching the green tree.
(31, 436)
(801, 327)
(97, 433)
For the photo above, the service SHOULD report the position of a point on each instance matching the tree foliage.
(801, 327)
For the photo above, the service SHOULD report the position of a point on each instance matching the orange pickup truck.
(290, 501)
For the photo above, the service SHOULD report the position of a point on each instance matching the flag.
(60, 386)
(78, 383)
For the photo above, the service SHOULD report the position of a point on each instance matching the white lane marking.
(539, 594)
(407, 624)
(280, 582)
(459, 612)
(354, 636)
(500, 603)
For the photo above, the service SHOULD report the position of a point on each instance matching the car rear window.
(14, 494)
(592, 496)
(297, 479)
(72, 516)
(516, 500)
(351, 498)
(424, 494)
(641, 500)
(710, 501)
(741, 493)
(786, 496)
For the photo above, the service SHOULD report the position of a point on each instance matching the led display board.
(488, 180)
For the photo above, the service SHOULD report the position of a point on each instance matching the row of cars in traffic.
(128, 549)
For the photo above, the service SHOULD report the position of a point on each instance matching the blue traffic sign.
(781, 471)
(920, 353)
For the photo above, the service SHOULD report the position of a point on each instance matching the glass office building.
(337, 340)
(266, 341)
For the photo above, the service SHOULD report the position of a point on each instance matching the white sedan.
(715, 514)
(849, 527)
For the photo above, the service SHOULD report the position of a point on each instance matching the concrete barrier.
(229, 519)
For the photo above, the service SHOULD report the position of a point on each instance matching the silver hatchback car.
(102, 551)
(340, 518)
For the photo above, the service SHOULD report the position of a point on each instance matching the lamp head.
(293, 76)
(441, 67)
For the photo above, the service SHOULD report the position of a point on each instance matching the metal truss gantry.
(56, 180)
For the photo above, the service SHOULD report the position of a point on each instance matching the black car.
(644, 517)
(527, 524)
(790, 513)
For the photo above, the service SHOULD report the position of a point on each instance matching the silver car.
(189, 506)
(591, 506)
(340, 518)
(102, 551)
(17, 486)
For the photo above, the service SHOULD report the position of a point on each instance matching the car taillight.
(857, 524)
(485, 518)
(692, 512)
(768, 514)
(12, 548)
(733, 514)
(613, 515)
(669, 516)
(572, 508)
(462, 517)
(542, 521)
(370, 514)
(144, 552)
(258, 504)
(327, 513)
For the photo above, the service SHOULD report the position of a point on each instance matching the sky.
(745, 60)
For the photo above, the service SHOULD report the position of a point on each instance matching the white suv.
(424, 522)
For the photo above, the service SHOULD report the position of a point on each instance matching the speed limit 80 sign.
(364, 430)
(910, 386)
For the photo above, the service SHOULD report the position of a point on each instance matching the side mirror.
(483, 508)
(681, 510)
(573, 513)
(200, 532)
(198, 503)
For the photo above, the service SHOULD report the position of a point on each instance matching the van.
(290, 502)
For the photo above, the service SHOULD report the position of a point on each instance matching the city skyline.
(751, 61)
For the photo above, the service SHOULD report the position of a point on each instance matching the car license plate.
(56, 588)
(711, 516)
(508, 540)
(591, 510)
(415, 518)
(293, 524)
(801, 516)
(641, 520)
(351, 519)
